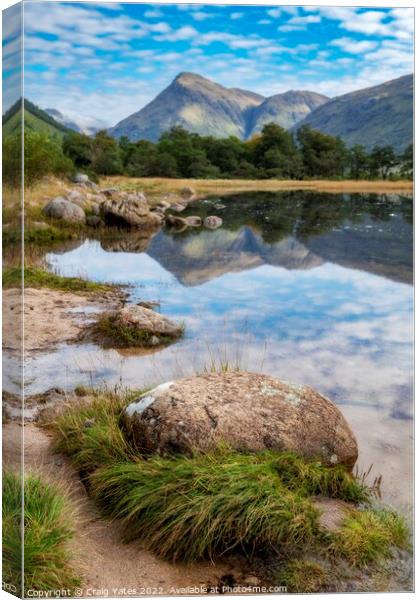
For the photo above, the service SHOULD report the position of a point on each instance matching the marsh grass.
(111, 333)
(37, 277)
(48, 530)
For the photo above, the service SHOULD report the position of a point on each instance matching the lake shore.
(154, 187)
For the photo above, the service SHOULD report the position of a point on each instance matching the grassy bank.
(48, 531)
(110, 333)
(155, 187)
(209, 505)
(37, 277)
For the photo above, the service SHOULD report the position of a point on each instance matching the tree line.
(275, 153)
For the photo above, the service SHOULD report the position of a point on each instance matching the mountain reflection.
(293, 230)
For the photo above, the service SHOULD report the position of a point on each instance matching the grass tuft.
(202, 507)
(38, 277)
(369, 535)
(47, 533)
(89, 433)
(303, 576)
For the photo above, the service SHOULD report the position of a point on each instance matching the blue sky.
(105, 61)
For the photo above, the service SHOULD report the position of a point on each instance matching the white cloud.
(352, 46)
(236, 15)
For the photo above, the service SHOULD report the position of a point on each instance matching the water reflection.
(308, 287)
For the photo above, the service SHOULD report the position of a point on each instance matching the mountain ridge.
(207, 108)
(375, 116)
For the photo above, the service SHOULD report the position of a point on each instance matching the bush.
(43, 156)
(47, 533)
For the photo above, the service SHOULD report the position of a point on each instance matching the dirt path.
(108, 566)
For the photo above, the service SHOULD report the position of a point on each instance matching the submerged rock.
(246, 411)
(60, 208)
(193, 221)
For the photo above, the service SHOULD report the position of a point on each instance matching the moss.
(38, 277)
(303, 576)
(367, 536)
(110, 333)
(47, 518)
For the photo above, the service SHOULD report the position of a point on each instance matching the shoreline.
(157, 185)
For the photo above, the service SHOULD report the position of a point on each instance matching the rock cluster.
(246, 411)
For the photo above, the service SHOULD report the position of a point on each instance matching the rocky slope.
(380, 115)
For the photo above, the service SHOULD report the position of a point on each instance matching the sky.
(102, 62)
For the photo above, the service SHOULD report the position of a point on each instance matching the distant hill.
(285, 109)
(380, 115)
(36, 119)
(207, 108)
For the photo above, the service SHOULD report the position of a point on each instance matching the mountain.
(36, 119)
(207, 108)
(380, 115)
(196, 103)
(89, 126)
(286, 109)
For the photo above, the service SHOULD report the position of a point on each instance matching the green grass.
(48, 531)
(207, 505)
(38, 277)
(303, 576)
(103, 441)
(369, 535)
(110, 333)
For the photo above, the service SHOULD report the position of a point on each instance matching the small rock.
(80, 178)
(213, 222)
(163, 205)
(187, 192)
(89, 423)
(193, 221)
(108, 192)
(178, 207)
(60, 208)
(154, 340)
(148, 304)
(95, 208)
(178, 222)
(219, 206)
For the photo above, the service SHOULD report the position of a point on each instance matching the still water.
(312, 288)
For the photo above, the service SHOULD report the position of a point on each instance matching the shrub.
(46, 536)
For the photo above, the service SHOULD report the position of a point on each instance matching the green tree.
(106, 157)
(359, 162)
(78, 147)
(382, 160)
(407, 162)
(323, 155)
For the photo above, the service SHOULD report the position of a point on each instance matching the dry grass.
(154, 187)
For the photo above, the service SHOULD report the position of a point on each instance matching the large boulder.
(60, 208)
(148, 321)
(246, 411)
(130, 210)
